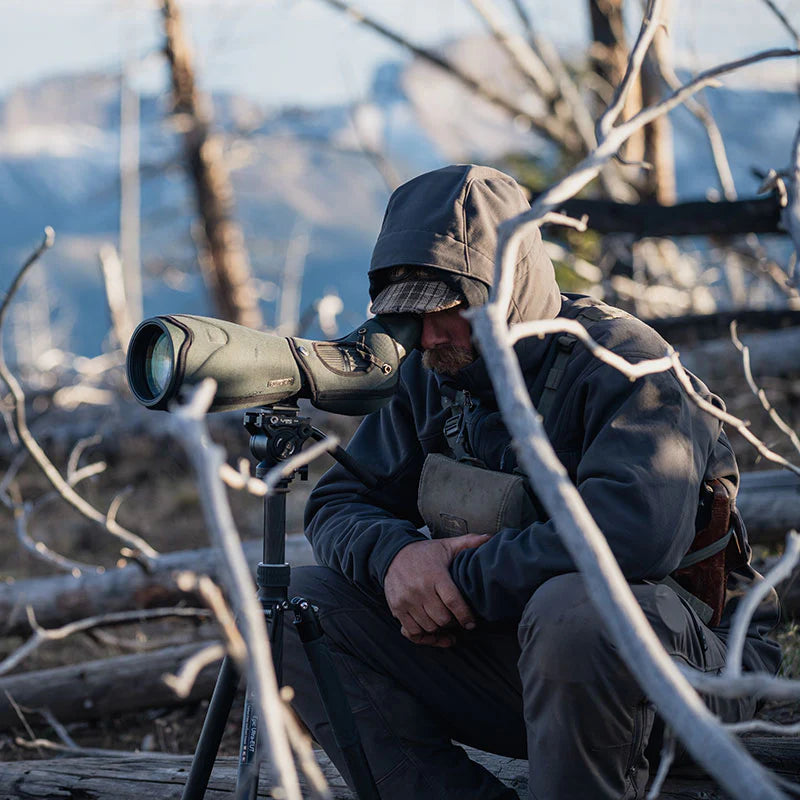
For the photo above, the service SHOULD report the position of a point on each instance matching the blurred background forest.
(234, 157)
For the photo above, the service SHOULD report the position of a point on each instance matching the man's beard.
(448, 358)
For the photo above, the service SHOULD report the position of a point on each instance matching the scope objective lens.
(158, 364)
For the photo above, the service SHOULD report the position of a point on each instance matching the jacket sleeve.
(356, 530)
(641, 462)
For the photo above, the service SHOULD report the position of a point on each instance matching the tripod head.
(277, 433)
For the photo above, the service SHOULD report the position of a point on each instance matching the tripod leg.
(331, 691)
(247, 776)
(213, 727)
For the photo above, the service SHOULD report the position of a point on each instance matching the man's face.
(446, 341)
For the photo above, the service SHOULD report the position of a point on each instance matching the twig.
(633, 371)
(545, 125)
(749, 603)
(301, 744)
(790, 215)
(667, 757)
(59, 729)
(207, 458)
(784, 21)
(522, 55)
(182, 682)
(53, 475)
(716, 142)
(760, 393)
(41, 635)
(39, 549)
(211, 593)
(750, 684)
(647, 31)
(763, 726)
(242, 479)
(75, 456)
(116, 295)
(20, 716)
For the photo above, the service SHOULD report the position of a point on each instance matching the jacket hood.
(447, 220)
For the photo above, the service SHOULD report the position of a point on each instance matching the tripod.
(277, 433)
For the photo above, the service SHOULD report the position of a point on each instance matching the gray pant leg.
(410, 701)
(587, 720)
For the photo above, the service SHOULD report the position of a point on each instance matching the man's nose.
(433, 334)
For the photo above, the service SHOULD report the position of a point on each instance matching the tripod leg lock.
(306, 620)
(273, 575)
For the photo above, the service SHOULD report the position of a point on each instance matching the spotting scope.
(353, 375)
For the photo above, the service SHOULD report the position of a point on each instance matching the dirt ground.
(161, 504)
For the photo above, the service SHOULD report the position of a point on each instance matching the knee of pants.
(561, 635)
(569, 637)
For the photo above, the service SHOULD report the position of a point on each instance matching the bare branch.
(116, 296)
(647, 31)
(182, 682)
(75, 455)
(631, 370)
(790, 216)
(47, 243)
(762, 685)
(41, 550)
(61, 485)
(667, 757)
(59, 729)
(546, 125)
(760, 393)
(524, 57)
(211, 593)
(41, 635)
(301, 744)
(20, 716)
(762, 726)
(784, 21)
(749, 603)
(702, 113)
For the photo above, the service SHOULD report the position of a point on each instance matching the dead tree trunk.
(103, 688)
(659, 181)
(610, 59)
(227, 269)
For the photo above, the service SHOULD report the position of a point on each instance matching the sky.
(303, 52)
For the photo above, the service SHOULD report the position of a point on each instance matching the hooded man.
(486, 636)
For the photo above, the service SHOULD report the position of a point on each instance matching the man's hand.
(421, 594)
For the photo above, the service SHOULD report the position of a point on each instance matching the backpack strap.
(455, 428)
(565, 344)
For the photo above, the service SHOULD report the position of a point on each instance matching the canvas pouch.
(456, 498)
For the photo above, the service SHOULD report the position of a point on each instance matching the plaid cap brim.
(415, 296)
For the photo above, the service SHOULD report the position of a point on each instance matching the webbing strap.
(696, 556)
(565, 344)
(455, 428)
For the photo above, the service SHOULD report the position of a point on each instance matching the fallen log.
(770, 504)
(772, 354)
(104, 688)
(64, 598)
(135, 776)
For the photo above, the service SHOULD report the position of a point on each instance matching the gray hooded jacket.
(637, 451)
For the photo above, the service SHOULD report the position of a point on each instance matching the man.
(491, 640)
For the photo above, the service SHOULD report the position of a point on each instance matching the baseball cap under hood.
(446, 221)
